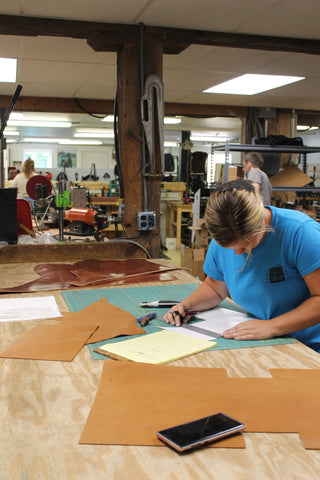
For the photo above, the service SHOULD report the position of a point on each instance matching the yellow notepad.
(159, 347)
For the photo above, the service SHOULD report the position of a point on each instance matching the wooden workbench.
(44, 406)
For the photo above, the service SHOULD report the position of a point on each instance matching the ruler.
(209, 333)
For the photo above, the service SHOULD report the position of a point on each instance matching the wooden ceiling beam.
(110, 37)
(59, 105)
(204, 110)
(103, 107)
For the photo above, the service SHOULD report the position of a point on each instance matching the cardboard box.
(234, 172)
(171, 243)
(201, 234)
(193, 258)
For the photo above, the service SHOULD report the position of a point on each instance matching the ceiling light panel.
(8, 70)
(251, 84)
(38, 123)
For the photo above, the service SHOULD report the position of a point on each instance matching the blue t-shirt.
(269, 283)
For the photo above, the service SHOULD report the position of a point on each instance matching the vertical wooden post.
(130, 142)
(128, 99)
(153, 64)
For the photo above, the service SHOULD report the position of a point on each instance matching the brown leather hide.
(64, 276)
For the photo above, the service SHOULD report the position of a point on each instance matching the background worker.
(252, 167)
(267, 260)
(20, 181)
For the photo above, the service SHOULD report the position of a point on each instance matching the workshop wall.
(101, 156)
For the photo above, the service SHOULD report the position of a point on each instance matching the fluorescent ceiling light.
(80, 142)
(16, 116)
(41, 140)
(61, 141)
(10, 133)
(38, 123)
(202, 136)
(167, 120)
(94, 135)
(205, 138)
(94, 130)
(108, 118)
(251, 84)
(170, 144)
(306, 127)
(8, 70)
(171, 120)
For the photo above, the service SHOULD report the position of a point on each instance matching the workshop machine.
(39, 188)
(87, 221)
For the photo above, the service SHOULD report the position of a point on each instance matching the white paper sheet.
(28, 308)
(216, 321)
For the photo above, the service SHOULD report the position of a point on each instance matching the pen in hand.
(187, 312)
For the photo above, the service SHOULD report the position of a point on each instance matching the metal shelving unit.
(302, 151)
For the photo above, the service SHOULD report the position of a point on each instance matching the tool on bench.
(145, 319)
(160, 303)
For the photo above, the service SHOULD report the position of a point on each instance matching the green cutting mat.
(129, 299)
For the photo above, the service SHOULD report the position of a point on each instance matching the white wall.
(101, 156)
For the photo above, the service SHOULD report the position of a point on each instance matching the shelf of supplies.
(266, 148)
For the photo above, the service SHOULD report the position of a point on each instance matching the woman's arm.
(208, 295)
(305, 315)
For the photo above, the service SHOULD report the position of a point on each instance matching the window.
(42, 158)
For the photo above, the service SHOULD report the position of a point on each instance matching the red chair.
(24, 217)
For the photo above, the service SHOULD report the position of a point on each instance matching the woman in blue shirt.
(267, 260)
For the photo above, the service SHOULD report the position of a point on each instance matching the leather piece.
(62, 341)
(143, 398)
(64, 276)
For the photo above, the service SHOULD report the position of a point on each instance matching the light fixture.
(79, 142)
(202, 136)
(38, 123)
(306, 127)
(171, 120)
(8, 70)
(251, 84)
(166, 120)
(108, 118)
(40, 140)
(61, 141)
(16, 116)
(170, 144)
(10, 133)
(94, 135)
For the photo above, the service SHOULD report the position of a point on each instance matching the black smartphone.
(199, 432)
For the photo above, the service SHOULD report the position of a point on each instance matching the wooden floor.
(174, 256)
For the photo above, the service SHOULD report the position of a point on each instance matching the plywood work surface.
(45, 405)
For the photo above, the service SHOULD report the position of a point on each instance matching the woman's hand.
(176, 315)
(250, 330)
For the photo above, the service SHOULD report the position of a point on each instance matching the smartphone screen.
(198, 432)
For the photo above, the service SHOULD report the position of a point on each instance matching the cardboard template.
(134, 400)
(62, 341)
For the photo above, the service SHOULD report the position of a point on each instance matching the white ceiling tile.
(218, 15)
(93, 10)
(54, 72)
(103, 75)
(96, 92)
(63, 49)
(44, 90)
(287, 18)
(10, 46)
